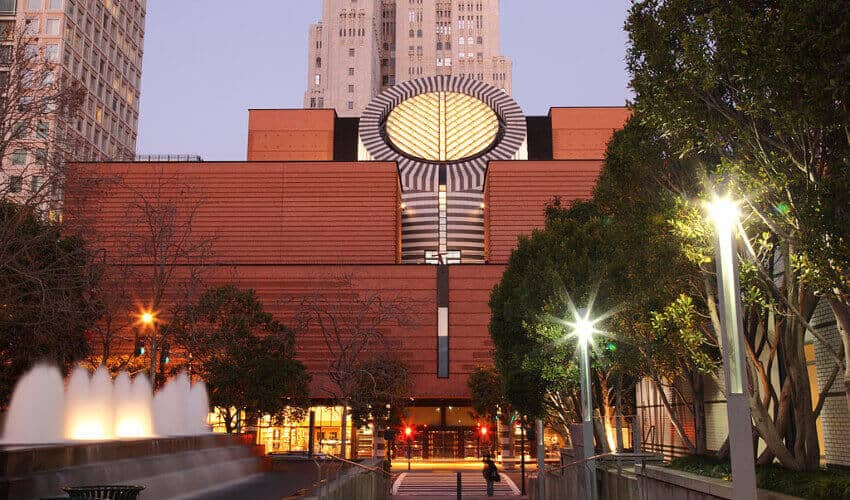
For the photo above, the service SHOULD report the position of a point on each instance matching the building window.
(51, 27)
(31, 27)
(418, 33)
(19, 157)
(479, 40)
(460, 41)
(312, 102)
(41, 156)
(321, 102)
(439, 45)
(34, 4)
(318, 62)
(51, 52)
(35, 184)
(350, 52)
(350, 71)
(350, 104)
(55, 4)
(351, 89)
(318, 79)
(410, 34)
(42, 130)
(16, 182)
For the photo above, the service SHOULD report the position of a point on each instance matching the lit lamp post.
(724, 214)
(148, 318)
(583, 330)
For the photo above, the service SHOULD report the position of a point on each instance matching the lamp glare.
(724, 212)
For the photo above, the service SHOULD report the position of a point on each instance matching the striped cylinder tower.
(442, 131)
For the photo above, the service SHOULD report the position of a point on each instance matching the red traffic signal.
(484, 430)
(408, 431)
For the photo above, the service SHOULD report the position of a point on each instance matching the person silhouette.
(491, 474)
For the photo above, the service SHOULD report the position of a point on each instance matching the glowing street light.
(583, 329)
(147, 318)
(724, 214)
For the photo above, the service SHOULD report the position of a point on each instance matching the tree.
(39, 108)
(246, 357)
(45, 291)
(563, 266)
(378, 382)
(762, 86)
(663, 318)
(161, 252)
(351, 323)
(486, 391)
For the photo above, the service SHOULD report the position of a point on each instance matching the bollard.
(459, 494)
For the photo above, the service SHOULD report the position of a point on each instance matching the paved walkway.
(444, 485)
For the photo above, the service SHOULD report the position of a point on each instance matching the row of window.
(40, 4)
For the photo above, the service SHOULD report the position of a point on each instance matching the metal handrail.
(370, 469)
(578, 462)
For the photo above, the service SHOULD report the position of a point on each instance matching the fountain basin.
(166, 466)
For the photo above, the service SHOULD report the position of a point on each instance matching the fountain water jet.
(35, 413)
(94, 408)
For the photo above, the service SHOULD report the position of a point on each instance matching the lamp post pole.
(725, 217)
(586, 412)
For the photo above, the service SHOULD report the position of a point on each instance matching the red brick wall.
(291, 134)
(516, 193)
(252, 212)
(583, 133)
(469, 319)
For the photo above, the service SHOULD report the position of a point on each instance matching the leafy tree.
(246, 357)
(567, 263)
(662, 317)
(485, 389)
(46, 305)
(764, 87)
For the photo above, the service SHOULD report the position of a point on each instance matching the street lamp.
(583, 329)
(149, 320)
(724, 213)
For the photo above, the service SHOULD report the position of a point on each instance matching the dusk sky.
(206, 63)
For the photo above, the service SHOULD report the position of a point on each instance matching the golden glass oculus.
(442, 126)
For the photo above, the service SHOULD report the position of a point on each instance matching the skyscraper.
(362, 47)
(99, 43)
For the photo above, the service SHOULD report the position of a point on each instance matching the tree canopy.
(46, 300)
(246, 357)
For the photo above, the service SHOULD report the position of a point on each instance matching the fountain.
(94, 408)
(93, 430)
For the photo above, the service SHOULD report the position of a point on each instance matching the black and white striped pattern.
(444, 485)
(420, 178)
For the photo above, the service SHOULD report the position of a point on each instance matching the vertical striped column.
(442, 321)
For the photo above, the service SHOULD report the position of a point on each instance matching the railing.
(351, 480)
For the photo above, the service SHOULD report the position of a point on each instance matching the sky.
(206, 63)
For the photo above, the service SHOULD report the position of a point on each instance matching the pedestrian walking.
(491, 474)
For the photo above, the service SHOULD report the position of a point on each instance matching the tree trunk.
(698, 404)
(674, 419)
(841, 311)
(344, 430)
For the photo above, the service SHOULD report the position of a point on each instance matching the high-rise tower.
(362, 47)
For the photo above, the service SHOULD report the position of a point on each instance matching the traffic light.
(164, 358)
(140, 348)
(484, 431)
(408, 431)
